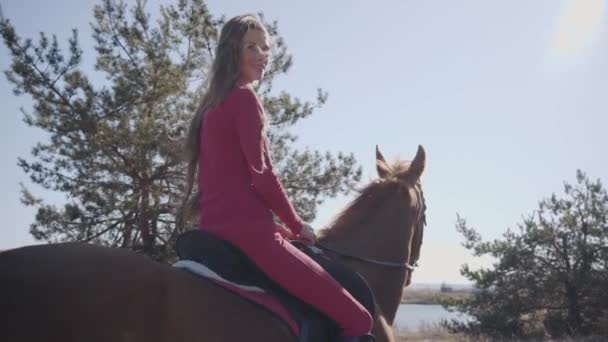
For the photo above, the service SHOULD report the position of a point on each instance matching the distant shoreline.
(426, 296)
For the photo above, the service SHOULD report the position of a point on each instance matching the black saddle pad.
(222, 257)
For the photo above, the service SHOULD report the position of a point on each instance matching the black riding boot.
(362, 338)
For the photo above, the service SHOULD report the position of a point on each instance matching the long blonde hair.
(223, 78)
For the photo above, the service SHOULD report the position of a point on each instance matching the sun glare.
(578, 25)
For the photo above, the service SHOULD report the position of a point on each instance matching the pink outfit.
(240, 191)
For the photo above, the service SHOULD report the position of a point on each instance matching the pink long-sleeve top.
(238, 185)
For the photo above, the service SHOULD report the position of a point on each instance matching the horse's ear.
(417, 165)
(383, 169)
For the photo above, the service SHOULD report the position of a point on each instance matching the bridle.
(421, 222)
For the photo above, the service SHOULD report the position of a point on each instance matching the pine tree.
(115, 149)
(550, 275)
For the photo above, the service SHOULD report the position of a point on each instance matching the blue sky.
(508, 98)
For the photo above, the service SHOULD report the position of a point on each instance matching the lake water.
(412, 316)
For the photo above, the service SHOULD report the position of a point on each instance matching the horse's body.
(79, 292)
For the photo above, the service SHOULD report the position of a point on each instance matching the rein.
(399, 265)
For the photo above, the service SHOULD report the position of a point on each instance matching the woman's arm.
(248, 116)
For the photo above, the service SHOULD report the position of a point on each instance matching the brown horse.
(80, 292)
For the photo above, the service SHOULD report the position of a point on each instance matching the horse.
(83, 292)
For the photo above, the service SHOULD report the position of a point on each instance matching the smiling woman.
(255, 53)
(579, 23)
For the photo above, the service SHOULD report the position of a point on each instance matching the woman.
(238, 188)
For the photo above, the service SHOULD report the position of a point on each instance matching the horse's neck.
(382, 237)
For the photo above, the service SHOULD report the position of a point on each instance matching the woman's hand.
(285, 232)
(307, 234)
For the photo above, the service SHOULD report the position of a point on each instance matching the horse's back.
(82, 292)
(76, 291)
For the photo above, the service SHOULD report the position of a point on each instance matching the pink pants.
(304, 278)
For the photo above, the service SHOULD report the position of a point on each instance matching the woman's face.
(255, 53)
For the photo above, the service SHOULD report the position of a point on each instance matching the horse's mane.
(369, 197)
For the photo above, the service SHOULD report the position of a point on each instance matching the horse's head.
(405, 176)
(383, 227)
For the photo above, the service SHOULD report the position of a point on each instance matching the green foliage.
(115, 149)
(550, 275)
